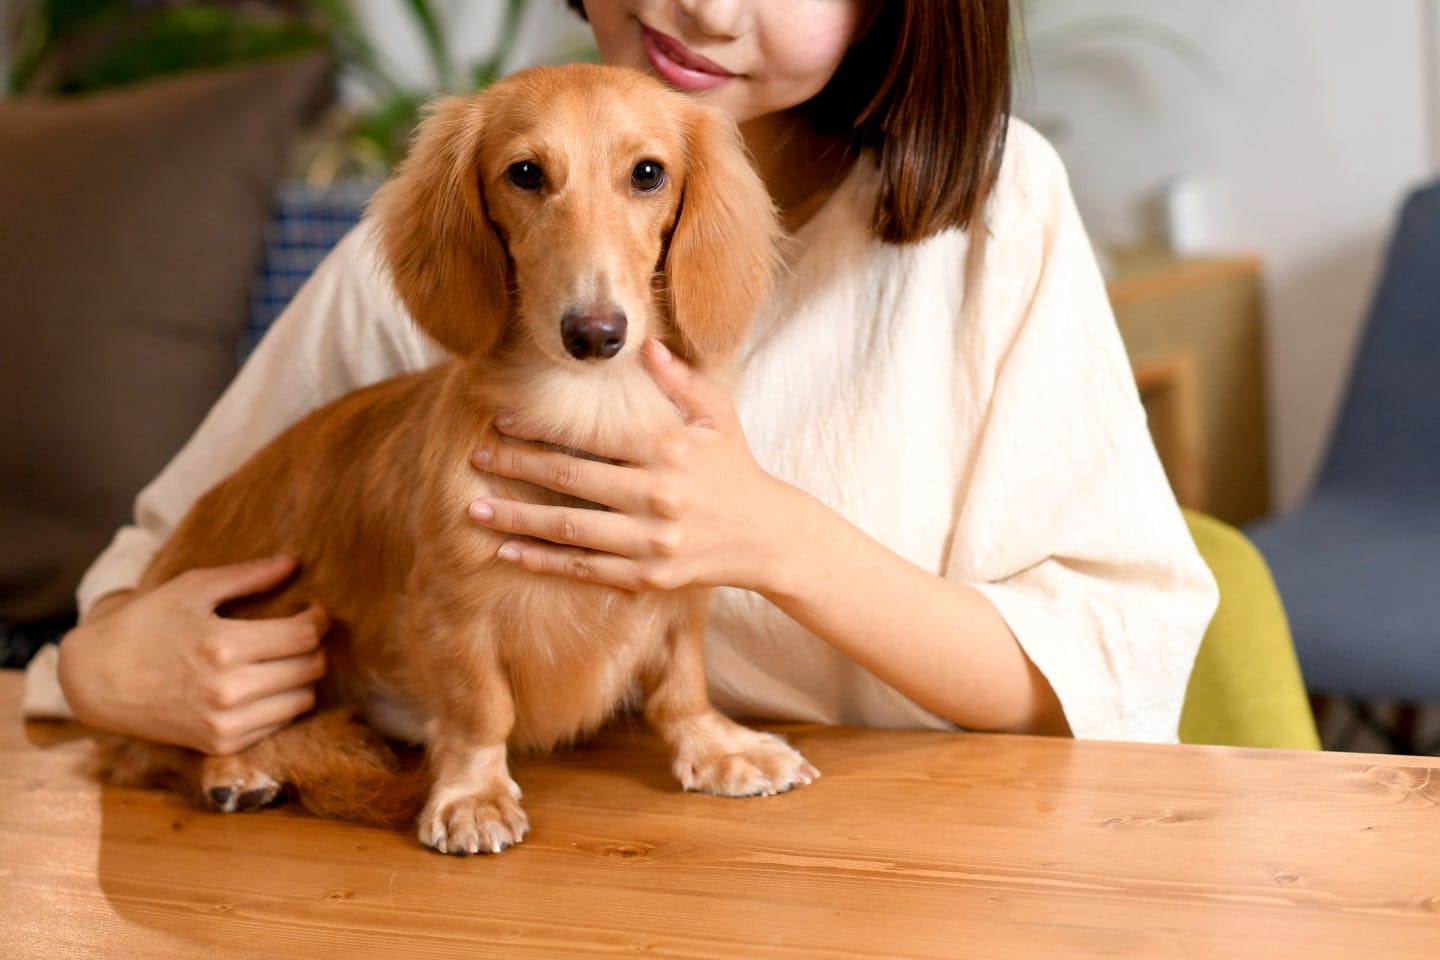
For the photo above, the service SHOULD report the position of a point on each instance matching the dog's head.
(589, 208)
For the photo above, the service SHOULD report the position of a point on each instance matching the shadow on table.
(187, 882)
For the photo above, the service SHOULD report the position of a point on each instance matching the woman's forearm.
(941, 643)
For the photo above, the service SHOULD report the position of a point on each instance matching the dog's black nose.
(598, 334)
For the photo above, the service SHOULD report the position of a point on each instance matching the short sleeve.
(1066, 521)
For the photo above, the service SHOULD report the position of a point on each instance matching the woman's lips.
(679, 66)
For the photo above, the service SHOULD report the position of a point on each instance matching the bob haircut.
(934, 117)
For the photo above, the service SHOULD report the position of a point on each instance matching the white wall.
(1302, 121)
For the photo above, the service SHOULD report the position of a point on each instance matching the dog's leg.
(713, 754)
(226, 783)
(338, 765)
(474, 805)
(256, 777)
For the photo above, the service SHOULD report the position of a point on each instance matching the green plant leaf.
(389, 126)
(509, 30)
(434, 41)
(122, 47)
(352, 46)
(64, 16)
(488, 70)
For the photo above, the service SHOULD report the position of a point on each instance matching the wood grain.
(911, 845)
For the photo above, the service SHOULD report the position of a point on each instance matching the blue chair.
(1358, 562)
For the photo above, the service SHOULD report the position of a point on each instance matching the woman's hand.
(164, 666)
(688, 506)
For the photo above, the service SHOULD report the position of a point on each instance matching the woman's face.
(751, 58)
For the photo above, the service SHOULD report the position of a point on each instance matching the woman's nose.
(714, 18)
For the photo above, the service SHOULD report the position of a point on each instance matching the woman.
(934, 503)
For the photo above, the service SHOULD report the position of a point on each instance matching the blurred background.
(1291, 129)
(389, 56)
(1240, 166)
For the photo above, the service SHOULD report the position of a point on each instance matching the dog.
(541, 231)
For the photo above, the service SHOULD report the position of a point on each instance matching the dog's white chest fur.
(596, 407)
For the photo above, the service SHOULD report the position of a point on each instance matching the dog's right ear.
(445, 258)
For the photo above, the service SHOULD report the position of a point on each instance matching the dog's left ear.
(724, 248)
(446, 260)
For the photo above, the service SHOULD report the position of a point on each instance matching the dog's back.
(335, 491)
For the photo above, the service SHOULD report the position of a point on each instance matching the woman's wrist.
(76, 656)
(791, 533)
(73, 665)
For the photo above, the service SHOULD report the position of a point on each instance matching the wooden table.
(911, 845)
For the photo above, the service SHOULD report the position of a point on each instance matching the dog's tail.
(339, 768)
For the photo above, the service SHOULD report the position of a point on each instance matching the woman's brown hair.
(934, 117)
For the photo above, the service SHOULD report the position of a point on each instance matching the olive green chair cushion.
(1246, 689)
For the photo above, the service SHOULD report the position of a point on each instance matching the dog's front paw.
(237, 783)
(466, 823)
(746, 763)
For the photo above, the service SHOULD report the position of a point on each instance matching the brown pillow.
(131, 223)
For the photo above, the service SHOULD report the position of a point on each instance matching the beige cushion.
(131, 223)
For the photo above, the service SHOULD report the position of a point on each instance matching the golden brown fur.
(433, 638)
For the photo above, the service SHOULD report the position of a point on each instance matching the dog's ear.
(724, 247)
(446, 260)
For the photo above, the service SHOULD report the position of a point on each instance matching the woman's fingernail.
(504, 419)
(662, 352)
(482, 511)
(481, 458)
(508, 551)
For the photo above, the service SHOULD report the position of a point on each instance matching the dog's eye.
(526, 175)
(647, 176)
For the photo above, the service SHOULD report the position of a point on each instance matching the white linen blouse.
(965, 400)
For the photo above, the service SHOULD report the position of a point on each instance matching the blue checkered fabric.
(307, 223)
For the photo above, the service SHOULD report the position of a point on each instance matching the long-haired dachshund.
(542, 231)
